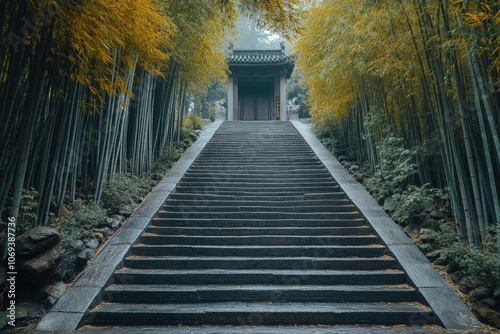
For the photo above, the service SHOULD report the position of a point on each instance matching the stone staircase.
(258, 233)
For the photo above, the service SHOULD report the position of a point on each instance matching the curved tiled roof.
(257, 57)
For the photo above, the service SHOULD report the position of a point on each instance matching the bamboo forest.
(99, 99)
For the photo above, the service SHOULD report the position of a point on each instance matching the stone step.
(256, 276)
(277, 179)
(246, 231)
(243, 193)
(240, 314)
(264, 222)
(305, 172)
(311, 208)
(200, 200)
(277, 263)
(187, 294)
(261, 240)
(315, 197)
(259, 215)
(259, 251)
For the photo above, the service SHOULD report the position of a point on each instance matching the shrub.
(481, 262)
(26, 218)
(84, 217)
(328, 131)
(125, 190)
(164, 162)
(411, 202)
(395, 167)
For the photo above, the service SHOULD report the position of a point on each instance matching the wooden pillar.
(283, 98)
(230, 99)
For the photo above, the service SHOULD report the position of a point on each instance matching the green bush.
(328, 131)
(83, 218)
(394, 169)
(26, 218)
(124, 190)
(481, 262)
(164, 162)
(411, 202)
(211, 113)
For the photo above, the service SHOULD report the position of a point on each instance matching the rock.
(434, 255)
(105, 232)
(83, 256)
(54, 292)
(42, 267)
(430, 224)
(347, 163)
(426, 248)
(479, 293)
(411, 229)
(457, 276)
(99, 236)
(426, 236)
(125, 211)
(389, 204)
(469, 283)
(380, 199)
(342, 158)
(113, 223)
(436, 214)
(67, 266)
(452, 267)
(496, 294)
(36, 241)
(442, 260)
(487, 315)
(426, 231)
(120, 217)
(353, 168)
(489, 302)
(92, 243)
(77, 244)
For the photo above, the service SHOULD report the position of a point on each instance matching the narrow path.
(257, 234)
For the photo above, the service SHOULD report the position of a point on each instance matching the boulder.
(84, 255)
(479, 293)
(434, 255)
(36, 241)
(42, 267)
(353, 168)
(496, 294)
(489, 302)
(430, 224)
(442, 260)
(125, 211)
(66, 269)
(487, 315)
(469, 283)
(426, 248)
(92, 243)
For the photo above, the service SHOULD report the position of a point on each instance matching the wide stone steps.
(246, 231)
(245, 262)
(185, 294)
(259, 251)
(235, 222)
(241, 314)
(260, 276)
(258, 233)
